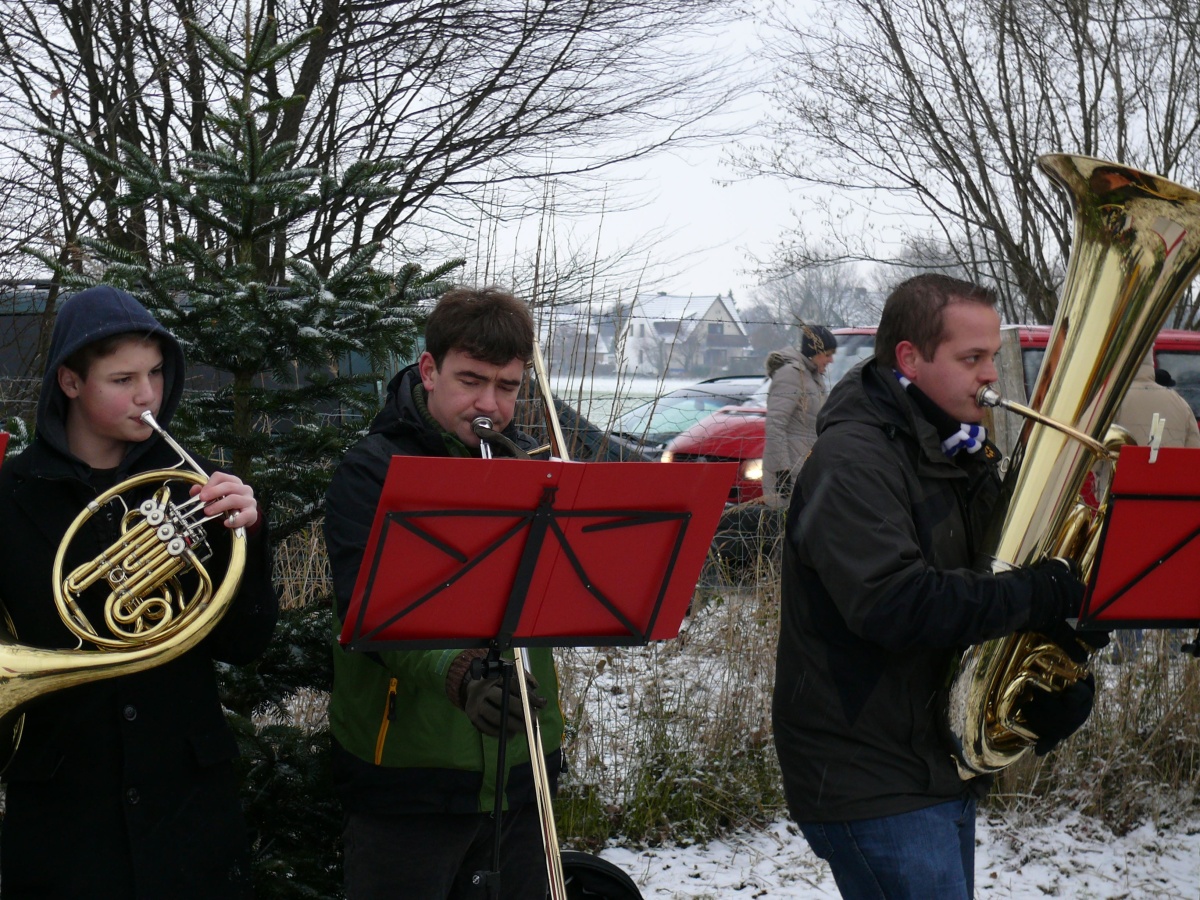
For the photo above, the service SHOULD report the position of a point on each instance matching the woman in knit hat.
(795, 397)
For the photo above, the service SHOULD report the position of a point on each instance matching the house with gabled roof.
(671, 334)
(572, 340)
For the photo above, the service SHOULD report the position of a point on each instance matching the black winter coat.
(879, 597)
(122, 788)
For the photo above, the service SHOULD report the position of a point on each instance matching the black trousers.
(435, 857)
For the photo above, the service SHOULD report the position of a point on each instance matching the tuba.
(1136, 247)
(149, 616)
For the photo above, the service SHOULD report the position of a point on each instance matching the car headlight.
(667, 456)
(751, 470)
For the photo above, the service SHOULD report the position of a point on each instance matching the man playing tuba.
(879, 598)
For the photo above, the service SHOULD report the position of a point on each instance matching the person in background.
(795, 397)
(1147, 397)
(414, 735)
(880, 597)
(121, 788)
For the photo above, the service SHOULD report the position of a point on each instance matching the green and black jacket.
(400, 744)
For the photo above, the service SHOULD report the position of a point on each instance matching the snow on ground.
(1073, 857)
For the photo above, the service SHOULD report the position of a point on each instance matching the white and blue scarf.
(954, 435)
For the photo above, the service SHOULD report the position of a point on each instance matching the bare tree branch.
(936, 110)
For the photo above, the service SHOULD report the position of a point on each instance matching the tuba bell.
(1135, 248)
(149, 618)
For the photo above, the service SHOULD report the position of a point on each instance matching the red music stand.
(508, 553)
(474, 553)
(1149, 551)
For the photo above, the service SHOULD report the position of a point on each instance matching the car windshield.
(851, 350)
(662, 419)
(759, 397)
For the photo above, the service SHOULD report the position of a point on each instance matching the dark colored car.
(585, 442)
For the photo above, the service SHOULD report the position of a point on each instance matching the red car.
(738, 433)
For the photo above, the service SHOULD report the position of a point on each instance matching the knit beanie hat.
(815, 340)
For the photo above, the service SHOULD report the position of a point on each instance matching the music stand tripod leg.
(489, 667)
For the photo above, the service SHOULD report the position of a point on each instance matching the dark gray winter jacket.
(879, 598)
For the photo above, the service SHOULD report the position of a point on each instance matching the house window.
(716, 327)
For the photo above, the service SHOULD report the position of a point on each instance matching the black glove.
(483, 698)
(1078, 645)
(1056, 715)
(1057, 593)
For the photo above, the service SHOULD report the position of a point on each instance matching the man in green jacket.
(414, 735)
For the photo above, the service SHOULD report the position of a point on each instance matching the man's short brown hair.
(488, 323)
(914, 312)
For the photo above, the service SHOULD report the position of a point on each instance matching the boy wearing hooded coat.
(121, 787)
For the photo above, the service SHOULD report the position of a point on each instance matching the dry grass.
(673, 740)
(302, 569)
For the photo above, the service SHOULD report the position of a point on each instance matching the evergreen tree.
(298, 348)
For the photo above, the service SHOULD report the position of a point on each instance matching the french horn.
(149, 617)
(1135, 249)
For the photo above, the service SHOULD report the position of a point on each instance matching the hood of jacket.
(1145, 372)
(85, 318)
(776, 359)
(400, 415)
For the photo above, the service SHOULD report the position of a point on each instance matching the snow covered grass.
(672, 741)
(1059, 854)
(674, 775)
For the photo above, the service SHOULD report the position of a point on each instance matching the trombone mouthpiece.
(482, 426)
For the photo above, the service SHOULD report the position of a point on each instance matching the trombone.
(533, 731)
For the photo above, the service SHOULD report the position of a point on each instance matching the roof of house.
(678, 314)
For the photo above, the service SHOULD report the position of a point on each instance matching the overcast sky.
(712, 220)
(691, 223)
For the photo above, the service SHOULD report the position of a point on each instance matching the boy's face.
(105, 408)
(962, 364)
(465, 388)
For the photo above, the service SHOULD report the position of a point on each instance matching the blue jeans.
(928, 854)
